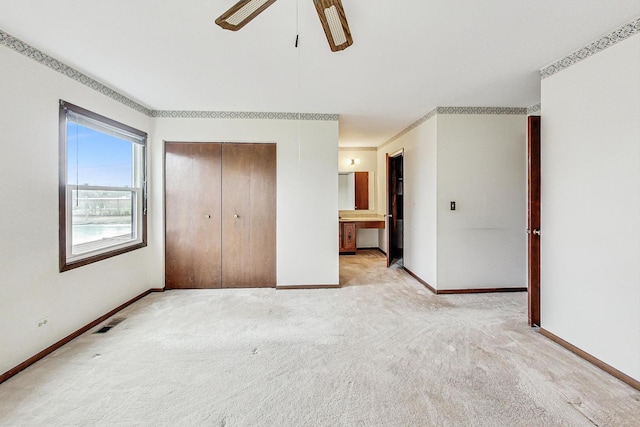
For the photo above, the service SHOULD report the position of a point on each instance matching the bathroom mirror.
(356, 191)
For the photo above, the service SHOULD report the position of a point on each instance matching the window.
(102, 187)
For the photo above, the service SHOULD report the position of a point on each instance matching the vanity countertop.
(364, 220)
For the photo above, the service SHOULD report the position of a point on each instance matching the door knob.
(536, 232)
(236, 216)
(207, 216)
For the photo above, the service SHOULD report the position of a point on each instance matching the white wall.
(420, 190)
(368, 163)
(479, 162)
(307, 202)
(482, 167)
(32, 288)
(590, 242)
(368, 160)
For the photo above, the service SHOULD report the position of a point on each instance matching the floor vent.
(113, 322)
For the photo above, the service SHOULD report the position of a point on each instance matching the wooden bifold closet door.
(220, 215)
(193, 235)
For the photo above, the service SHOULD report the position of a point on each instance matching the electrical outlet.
(42, 322)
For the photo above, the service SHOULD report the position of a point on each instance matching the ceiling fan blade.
(334, 23)
(241, 13)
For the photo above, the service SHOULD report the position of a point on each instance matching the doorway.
(395, 208)
(533, 218)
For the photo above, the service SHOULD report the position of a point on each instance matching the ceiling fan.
(330, 12)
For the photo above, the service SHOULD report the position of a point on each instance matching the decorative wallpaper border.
(411, 127)
(591, 49)
(534, 109)
(482, 110)
(42, 58)
(357, 149)
(456, 110)
(48, 61)
(180, 114)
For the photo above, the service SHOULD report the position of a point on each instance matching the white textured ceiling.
(408, 56)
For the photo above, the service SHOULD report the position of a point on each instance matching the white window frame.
(69, 260)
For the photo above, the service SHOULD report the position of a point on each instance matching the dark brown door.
(394, 215)
(391, 225)
(362, 190)
(192, 215)
(533, 225)
(249, 215)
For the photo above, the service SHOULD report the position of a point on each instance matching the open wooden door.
(394, 207)
(533, 222)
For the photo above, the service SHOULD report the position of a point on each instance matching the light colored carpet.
(381, 351)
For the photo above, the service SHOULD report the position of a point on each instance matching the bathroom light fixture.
(334, 23)
(242, 13)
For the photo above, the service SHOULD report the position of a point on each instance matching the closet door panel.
(249, 215)
(192, 215)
